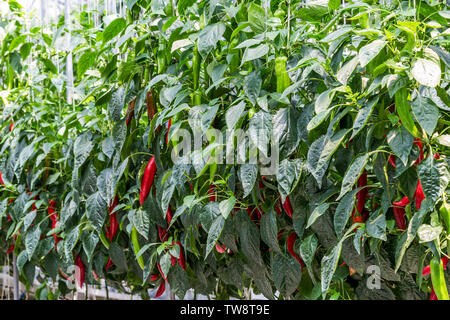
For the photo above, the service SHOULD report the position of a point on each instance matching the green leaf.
(96, 210)
(252, 85)
(426, 113)
(320, 152)
(317, 212)
(70, 241)
(116, 103)
(404, 111)
(324, 100)
(363, 116)
(347, 70)
(286, 273)
(257, 18)
(113, 29)
(433, 182)
(328, 266)
(426, 72)
(32, 240)
(248, 173)
(90, 240)
(255, 53)
(401, 143)
(233, 115)
(208, 38)
(370, 51)
(288, 172)
(352, 174)
(85, 62)
(226, 206)
(286, 132)
(118, 256)
(141, 221)
(260, 131)
(308, 248)
(214, 234)
(343, 212)
(376, 225)
(269, 229)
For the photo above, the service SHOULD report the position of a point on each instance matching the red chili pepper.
(130, 112)
(160, 271)
(391, 160)
(95, 275)
(361, 196)
(399, 212)
(168, 128)
(161, 289)
(169, 215)
(109, 264)
(154, 277)
(80, 277)
(113, 223)
(1, 180)
(11, 248)
(427, 270)
(151, 107)
(287, 207)
(220, 248)
(212, 193)
(290, 246)
(181, 260)
(418, 143)
(419, 196)
(11, 126)
(173, 260)
(163, 235)
(437, 156)
(433, 295)
(147, 180)
(277, 209)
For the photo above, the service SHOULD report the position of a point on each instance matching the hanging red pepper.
(151, 107)
(130, 112)
(109, 264)
(391, 160)
(169, 215)
(181, 260)
(290, 246)
(11, 126)
(79, 274)
(399, 212)
(361, 196)
(54, 217)
(168, 128)
(1, 180)
(147, 180)
(113, 223)
(163, 235)
(419, 196)
(160, 271)
(287, 207)
(161, 289)
(212, 193)
(220, 248)
(418, 143)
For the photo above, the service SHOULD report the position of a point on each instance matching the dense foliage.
(358, 121)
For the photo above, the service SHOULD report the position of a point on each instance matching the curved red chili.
(290, 246)
(147, 180)
(287, 207)
(161, 289)
(80, 277)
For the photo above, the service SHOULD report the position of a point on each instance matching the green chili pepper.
(404, 112)
(437, 278)
(196, 75)
(283, 80)
(104, 240)
(444, 212)
(136, 247)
